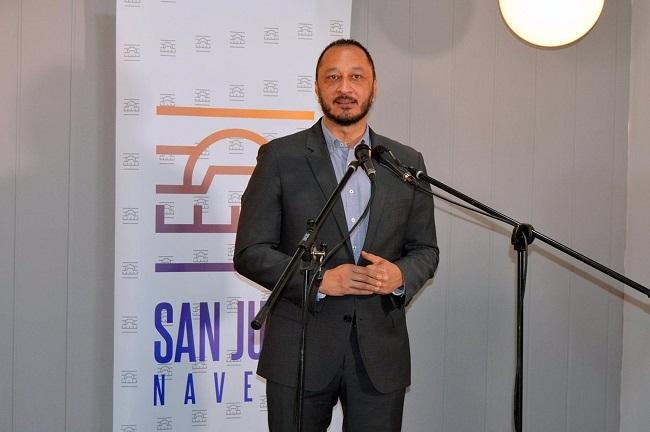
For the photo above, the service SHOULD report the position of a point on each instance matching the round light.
(551, 23)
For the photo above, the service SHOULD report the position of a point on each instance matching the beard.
(346, 119)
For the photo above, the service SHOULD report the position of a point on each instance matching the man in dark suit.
(357, 347)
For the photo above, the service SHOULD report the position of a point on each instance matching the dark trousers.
(364, 408)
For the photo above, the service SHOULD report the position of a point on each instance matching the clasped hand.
(379, 277)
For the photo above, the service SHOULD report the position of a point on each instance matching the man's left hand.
(391, 274)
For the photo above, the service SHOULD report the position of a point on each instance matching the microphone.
(416, 172)
(363, 154)
(388, 159)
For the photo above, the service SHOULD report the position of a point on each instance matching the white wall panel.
(430, 130)
(56, 225)
(91, 236)
(589, 342)
(472, 138)
(42, 187)
(635, 389)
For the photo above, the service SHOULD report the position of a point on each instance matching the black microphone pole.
(313, 227)
(522, 236)
(312, 257)
(531, 233)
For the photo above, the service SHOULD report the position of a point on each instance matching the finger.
(379, 271)
(365, 286)
(357, 291)
(375, 259)
(372, 278)
(363, 273)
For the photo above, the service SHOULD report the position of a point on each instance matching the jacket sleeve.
(257, 256)
(420, 253)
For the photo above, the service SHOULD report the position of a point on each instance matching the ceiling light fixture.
(551, 23)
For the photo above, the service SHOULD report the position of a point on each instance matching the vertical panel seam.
(493, 225)
(572, 241)
(611, 215)
(410, 105)
(67, 305)
(19, 39)
(529, 319)
(449, 264)
(367, 24)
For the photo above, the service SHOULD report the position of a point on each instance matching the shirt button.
(352, 191)
(353, 220)
(347, 318)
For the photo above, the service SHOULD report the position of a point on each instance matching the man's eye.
(333, 77)
(356, 77)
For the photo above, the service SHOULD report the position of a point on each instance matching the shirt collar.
(336, 145)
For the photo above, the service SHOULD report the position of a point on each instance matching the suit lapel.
(321, 166)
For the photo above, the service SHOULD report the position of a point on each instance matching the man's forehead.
(349, 57)
(345, 51)
(346, 66)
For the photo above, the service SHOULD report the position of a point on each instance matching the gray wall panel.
(512, 161)
(593, 168)
(549, 288)
(8, 135)
(472, 139)
(42, 222)
(635, 388)
(389, 40)
(430, 131)
(619, 207)
(359, 21)
(511, 125)
(92, 186)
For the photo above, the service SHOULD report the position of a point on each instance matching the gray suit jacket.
(291, 183)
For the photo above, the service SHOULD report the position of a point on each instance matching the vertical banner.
(200, 86)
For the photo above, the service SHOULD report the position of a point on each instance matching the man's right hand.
(350, 279)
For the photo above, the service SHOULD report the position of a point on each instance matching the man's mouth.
(345, 102)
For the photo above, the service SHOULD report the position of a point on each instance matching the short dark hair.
(347, 42)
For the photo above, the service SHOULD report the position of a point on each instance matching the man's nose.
(345, 85)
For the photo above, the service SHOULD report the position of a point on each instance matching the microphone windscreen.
(362, 152)
(379, 149)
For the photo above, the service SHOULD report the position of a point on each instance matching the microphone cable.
(332, 251)
(418, 186)
(421, 188)
(318, 274)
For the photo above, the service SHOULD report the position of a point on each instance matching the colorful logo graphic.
(194, 153)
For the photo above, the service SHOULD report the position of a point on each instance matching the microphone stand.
(522, 236)
(312, 258)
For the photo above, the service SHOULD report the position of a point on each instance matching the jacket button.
(347, 318)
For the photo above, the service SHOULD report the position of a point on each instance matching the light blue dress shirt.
(356, 193)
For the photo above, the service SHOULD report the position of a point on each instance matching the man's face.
(345, 85)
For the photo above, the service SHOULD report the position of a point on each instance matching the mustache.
(344, 99)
